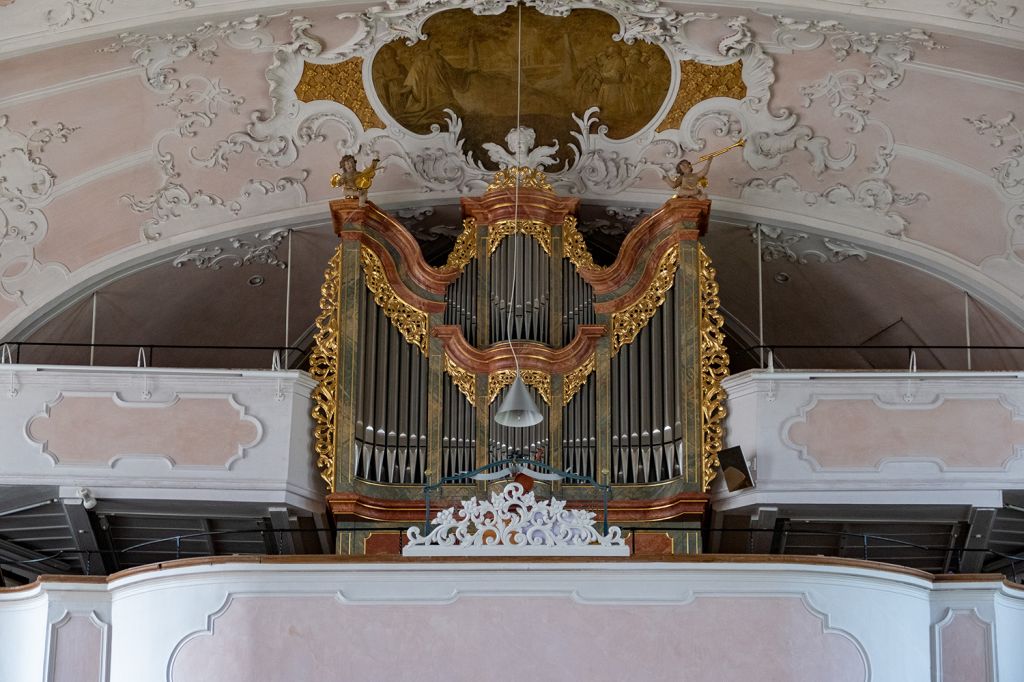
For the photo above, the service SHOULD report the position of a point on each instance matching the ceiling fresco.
(570, 64)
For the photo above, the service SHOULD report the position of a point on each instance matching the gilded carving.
(541, 381)
(575, 247)
(341, 83)
(412, 323)
(537, 229)
(323, 367)
(571, 63)
(575, 379)
(698, 82)
(465, 247)
(528, 178)
(463, 379)
(714, 366)
(626, 324)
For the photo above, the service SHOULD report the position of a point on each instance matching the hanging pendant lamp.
(518, 408)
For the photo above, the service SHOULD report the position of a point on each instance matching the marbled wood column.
(350, 289)
(556, 315)
(603, 404)
(687, 300)
(483, 335)
(555, 412)
(435, 403)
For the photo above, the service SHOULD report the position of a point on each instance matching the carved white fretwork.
(514, 523)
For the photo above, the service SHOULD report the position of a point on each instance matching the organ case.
(624, 361)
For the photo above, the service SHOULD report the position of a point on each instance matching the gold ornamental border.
(465, 247)
(529, 178)
(463, 379)
(323, 369)
(411, 322)
(575, 247)
(536, 379)
(626, 324)
(537, 229)
(576, 379)
(714, 366)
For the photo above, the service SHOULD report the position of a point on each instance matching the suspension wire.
(516, 173)
(288, 299)
(92, 334)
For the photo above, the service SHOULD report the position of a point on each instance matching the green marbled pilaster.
(349, 373)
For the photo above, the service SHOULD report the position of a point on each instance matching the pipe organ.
(623, 361)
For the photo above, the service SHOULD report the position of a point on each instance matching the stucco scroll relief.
(800, 247)
(864, 433)
(198, 101)
(1005, 134)
(101, 429)
(26, 187)
(84, 11)
(439, 159)
(996, 11)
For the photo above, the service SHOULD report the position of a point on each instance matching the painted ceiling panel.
(875, 126)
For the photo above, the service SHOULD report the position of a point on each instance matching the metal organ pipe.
(391, 415)
(458, 435)
(646, 424)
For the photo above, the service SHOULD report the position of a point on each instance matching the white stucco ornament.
(514, 523)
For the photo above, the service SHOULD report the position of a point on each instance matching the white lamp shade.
(518, 409)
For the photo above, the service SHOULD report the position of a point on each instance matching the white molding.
(243, 415)
(816, 398)
(63, 187)
(69, 86)
(928, 14)
(963, 170)
(53, 631)
(966, 76)
(950, 616)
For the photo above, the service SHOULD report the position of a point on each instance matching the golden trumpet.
(723, 150)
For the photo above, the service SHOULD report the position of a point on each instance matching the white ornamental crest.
(514, 523)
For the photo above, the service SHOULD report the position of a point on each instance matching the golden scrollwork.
(529, 178)
(714, 366)
(412, 323)
(575, 379)
(463, 379)
(465, 247)
(575, 247)
(541, 381)
(698, 82)
(537, 229)
(323, 367)
(626, 324)
(341, 83)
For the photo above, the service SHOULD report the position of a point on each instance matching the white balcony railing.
(183, 434)
(877, 437)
